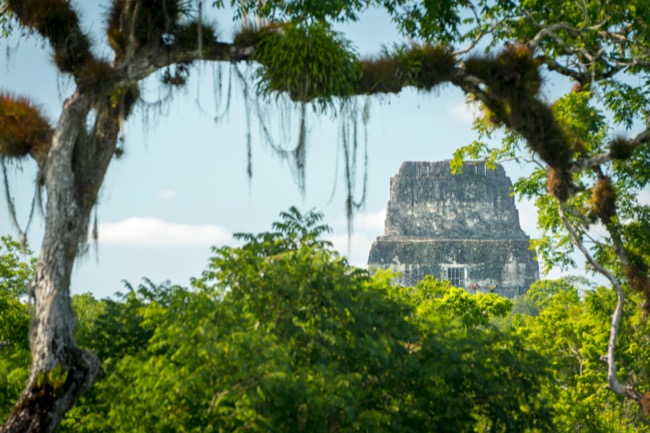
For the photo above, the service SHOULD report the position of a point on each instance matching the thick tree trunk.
(75, 168)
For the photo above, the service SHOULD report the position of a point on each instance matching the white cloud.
(149, 231)
(367, 226)
(644, 197)
(359, 247)
(166, 194)
(371, 221)
(364, 221)
(528, 217)
(465, 112)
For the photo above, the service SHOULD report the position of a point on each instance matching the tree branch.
(601, 158)
(58, 23)
(154, 60)
(586, 58)
(553, 65)
(612, 379)
(550, 31)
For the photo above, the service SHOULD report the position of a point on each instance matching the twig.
(601, 158)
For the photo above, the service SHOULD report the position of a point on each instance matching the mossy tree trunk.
(76, 164)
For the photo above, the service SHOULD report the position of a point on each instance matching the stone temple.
(463, 228)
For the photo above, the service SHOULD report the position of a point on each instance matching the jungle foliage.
(282, 334)
(15, 275)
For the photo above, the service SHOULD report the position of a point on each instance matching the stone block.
(462, 227)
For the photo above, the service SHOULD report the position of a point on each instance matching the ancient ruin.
(463, 228)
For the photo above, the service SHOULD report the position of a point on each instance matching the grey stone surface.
(462, 227)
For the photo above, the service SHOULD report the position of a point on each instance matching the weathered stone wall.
(426, 200)
(436, 221)
(506, 265)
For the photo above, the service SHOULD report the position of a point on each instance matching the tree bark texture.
(75, 167)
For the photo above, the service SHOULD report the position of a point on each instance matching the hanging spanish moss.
(199, 28)
(300, 152)
(336, 175)
(329, 70)
(349, 133)
(154, 110)
(217, 86)
(295, 156)
(22, 234)
(281, 51)
(249, 138)
(95, 235)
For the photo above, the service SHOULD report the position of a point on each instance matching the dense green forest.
(281, 334)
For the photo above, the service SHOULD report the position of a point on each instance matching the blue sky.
(181, 185)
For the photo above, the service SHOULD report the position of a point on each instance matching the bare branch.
(478, 37)
(642, 138)
(593, 162)
(481, 34)
(583, 8)
(576, 353)
(553, 65)
(550, 31)
(601, 158)
(584, 57)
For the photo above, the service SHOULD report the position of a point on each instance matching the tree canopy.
(282, 334)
